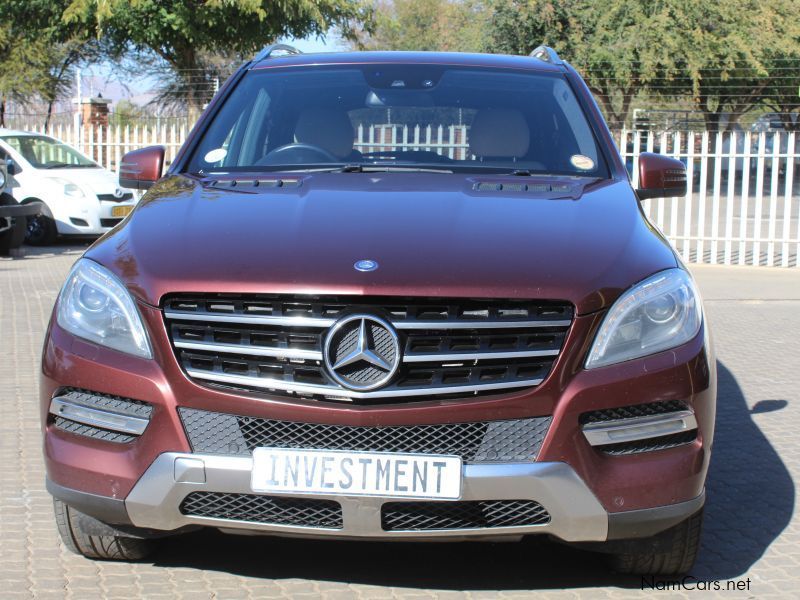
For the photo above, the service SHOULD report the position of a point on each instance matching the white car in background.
(77, 196)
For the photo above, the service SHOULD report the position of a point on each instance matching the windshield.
(46, 153)
(434, 117)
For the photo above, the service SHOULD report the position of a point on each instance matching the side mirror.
(11, 167)
(660, 176)
(140, 169)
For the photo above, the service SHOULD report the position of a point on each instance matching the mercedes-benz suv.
(386, 296)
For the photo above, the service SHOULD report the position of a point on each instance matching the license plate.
(121, 211)
(332, 472)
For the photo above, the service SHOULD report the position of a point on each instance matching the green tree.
(19, 84)
(444, 25)
(179, 32)
(732, 53)
(126, 113)
(615, 44)
(39, 51)
(720, 56)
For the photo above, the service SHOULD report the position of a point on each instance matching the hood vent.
(251, 185)
(562, 189)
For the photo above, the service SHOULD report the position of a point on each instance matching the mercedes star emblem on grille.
(362, 352)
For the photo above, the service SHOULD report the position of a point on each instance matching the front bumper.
(575, 513)
(87, 217)
(590, 495)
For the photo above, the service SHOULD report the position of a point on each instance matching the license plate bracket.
(344, 473)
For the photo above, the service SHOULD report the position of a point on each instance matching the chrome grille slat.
(275, 343)
(340, 392)
(477, 355)
(322, 322)
(250, 349)
(248, 320)
(436, 325)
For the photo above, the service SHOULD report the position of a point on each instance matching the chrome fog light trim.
(639, 428)
(104, 419)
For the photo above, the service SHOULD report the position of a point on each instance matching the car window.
(458, 118)
(43, 152)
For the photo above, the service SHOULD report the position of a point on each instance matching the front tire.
(671, 552)
(79, 533)
(42, 229)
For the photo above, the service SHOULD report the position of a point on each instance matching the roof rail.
(267, 51)
(547, 54)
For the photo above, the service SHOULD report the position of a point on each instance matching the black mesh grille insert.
(483, 514)
(516, 440)
(633, 411)
(93, 432)
(272, 510)
(125, 406)
(651, 444)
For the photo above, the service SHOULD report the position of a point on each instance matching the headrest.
(328, 128)
(500, 132)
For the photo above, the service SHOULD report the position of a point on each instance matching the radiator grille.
(448, 347)
(516, 440)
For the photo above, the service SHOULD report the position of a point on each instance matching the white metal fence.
(107, 145)
(742, 207)
(744, 195)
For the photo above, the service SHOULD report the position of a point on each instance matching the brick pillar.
(94, 117)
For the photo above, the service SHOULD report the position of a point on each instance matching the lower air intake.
(481, 514)
(269, 510)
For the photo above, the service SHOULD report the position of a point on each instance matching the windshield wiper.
(527, 173)
(371, 168)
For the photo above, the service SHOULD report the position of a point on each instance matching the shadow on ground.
(750, 501)
(62, 246)
(751, 494)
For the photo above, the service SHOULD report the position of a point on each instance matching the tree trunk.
(3, 111)
(49, 115)
(608, 109)
(786, 118)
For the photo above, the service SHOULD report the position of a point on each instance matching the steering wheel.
(297, 153)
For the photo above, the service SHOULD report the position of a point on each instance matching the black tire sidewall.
(47, 231)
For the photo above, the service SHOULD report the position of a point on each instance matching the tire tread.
(104, 547)
(682, 543)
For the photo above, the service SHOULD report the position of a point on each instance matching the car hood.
(431, 234)
(92, 180)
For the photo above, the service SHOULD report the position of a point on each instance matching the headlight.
(659, 313)
(70, 189)
(94, 305)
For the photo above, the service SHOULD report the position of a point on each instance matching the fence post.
(687, 208)
(762, 141)
(745, 201)
(791, 155)
(773, 197)
(732, 160)
(715, 198)
(701, 201)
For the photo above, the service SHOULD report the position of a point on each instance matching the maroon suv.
(386, 296)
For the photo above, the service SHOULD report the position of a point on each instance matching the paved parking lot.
(751, 532)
